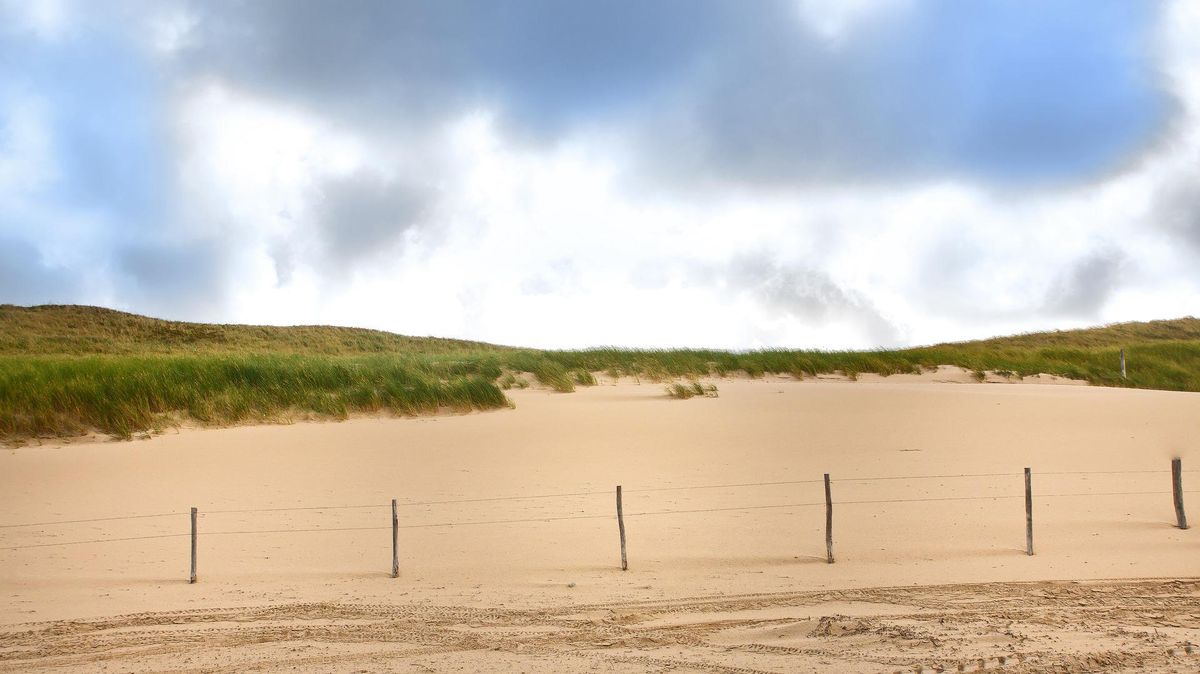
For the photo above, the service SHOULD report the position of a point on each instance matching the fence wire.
(595, 493)
(558, 518)
(93, 519)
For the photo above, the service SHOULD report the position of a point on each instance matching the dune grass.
(84, 330)
(691, 390)
(124, 395)
(1161, 355)
(1171, 365)
(71, 370)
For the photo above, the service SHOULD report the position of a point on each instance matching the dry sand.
(939, 580)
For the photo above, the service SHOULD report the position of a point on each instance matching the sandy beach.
(528, 337)
(509, 556)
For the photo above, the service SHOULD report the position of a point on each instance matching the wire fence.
(646, 490)
(1177, 493)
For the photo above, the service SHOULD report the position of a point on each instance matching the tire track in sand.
(1142, 625)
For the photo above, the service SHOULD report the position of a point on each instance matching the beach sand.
(725, 517)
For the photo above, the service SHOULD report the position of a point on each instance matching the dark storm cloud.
(1082, 290)
(173, 279)
(365, 214)
(26, 279)
(1176, 209)
(992, 91)
(387, 63)
(726, 91)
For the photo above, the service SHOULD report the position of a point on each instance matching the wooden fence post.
(1123, 364)
(1177, 489)
(395, 542)
(621, 526)
(192, 578)
(828, 522)
(1028, 513)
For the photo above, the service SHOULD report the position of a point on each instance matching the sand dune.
(725, 523)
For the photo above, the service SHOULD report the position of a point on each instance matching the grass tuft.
(691, 390)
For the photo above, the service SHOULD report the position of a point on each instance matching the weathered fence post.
(1028, 513)
(395, 542)
(828, 522)
(1123, 363)
(192, 578)
(1177, 489)
(621, 526)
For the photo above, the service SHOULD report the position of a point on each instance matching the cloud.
(800, 291)
(366, 214)
(25, 278)
(391, 64)
(1083, 289)
(559, 276)
(799, 173)
(1176, 209)
(991, 91)
(99, 103)
(44, 19)
(175, 278)
(26, 152)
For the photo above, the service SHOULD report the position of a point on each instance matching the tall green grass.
(70, 370)
(124, 395)
(1168, 365)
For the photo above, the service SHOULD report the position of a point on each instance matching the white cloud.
(940, 261)
(553, 244)
(47, 19)
(833, 19)
(26, 147)
(171, 29)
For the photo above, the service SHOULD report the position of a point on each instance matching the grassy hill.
(68, 370)
(79, 330)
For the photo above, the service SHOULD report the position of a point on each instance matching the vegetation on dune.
(79, 330)
(69, 370)
(1166, 355)
(63, 396)
(691, 390)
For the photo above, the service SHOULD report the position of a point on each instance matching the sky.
(796, 173)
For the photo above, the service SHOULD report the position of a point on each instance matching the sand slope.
(553, 584)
